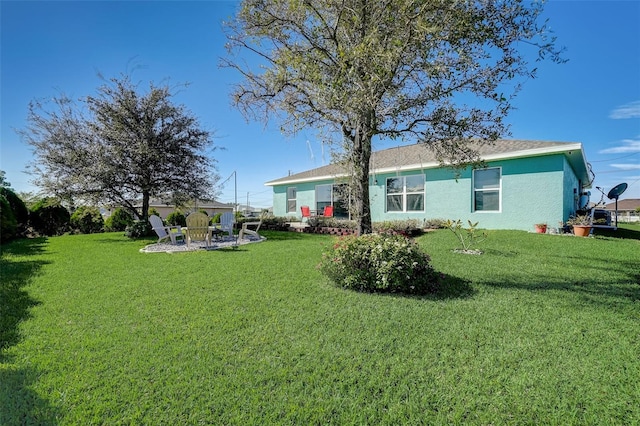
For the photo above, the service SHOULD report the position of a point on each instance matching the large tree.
(120, 147)
(439, 72)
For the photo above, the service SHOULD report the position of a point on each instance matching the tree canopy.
(438, 72)
(120, 147)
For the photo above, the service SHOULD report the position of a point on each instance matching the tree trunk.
(360, 160)
(145, 206)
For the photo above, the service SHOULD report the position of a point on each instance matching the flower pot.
(581, 230)
(541, 229)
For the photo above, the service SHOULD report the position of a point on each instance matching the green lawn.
(541, 329)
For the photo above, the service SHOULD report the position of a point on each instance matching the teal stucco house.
(524, 183)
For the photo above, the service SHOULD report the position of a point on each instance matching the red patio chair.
(328, 211)
(306, 212)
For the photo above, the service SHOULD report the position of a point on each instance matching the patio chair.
(306, 212)
(198, 228)
(164, 232)
(328, 211)
(254, 232)
(226, 222)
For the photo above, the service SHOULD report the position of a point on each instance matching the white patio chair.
(226, 222)
(254, 232)
(164, 232)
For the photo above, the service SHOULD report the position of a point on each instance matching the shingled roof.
(419, 156)
(630, 204)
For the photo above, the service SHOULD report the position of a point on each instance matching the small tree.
(120, 147)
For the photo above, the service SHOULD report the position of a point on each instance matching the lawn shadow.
(286, 235)
(622, 233)
(622, 282)
(450, 288)
(19, 403)
(15, 302)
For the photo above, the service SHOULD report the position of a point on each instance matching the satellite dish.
(617, 191)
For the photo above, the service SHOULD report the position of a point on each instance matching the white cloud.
(630, 110)
(626, 166)
(628, 146)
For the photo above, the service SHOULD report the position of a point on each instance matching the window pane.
(394, 185)
(291, 199)
(415, 183)
(486, 179)
(415, 202)
(487, 200)
(321, 205)
(323, 193)
(394, 203)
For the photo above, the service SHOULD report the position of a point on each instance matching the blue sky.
(52, 47)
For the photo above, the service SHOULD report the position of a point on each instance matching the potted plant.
(541, 228)
(581, 224)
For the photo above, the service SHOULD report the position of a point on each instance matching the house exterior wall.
(532, 190)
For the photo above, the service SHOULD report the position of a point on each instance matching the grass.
(540, 329)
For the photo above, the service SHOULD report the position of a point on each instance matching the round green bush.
(152, 211)
(87, 220)
(119, 220)
(8, 223)
(379, 263)
(139, 229)
(176, 218)
(49, 217)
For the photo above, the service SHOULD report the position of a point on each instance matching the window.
(405, 194)
(486, 189)
(291, 200)
(331, 195)
(323, 197)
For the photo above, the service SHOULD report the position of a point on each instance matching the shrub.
(215, 218)
(8, 223)
(379, 263)
(87, 220)
(19, 209)
(119, 220)
(49, 217)
(139, 229)
(332, 222)
(152, 211)
(435, 224)
(409, 227)
(177, 218)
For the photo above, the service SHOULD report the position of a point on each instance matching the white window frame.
(475, 190)
(404, 194)
(294, 199)
(339, 205)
